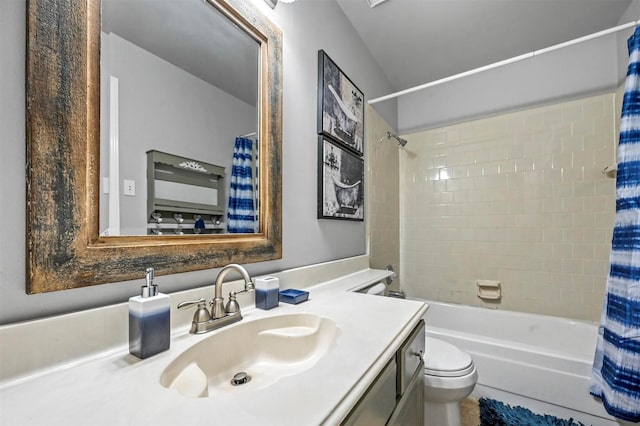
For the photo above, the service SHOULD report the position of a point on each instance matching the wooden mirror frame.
(64, 249)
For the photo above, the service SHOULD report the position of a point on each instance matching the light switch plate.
(130, 187)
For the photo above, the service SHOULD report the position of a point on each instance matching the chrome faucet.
(203, 321)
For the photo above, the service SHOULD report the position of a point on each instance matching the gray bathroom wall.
(307, 26)
(569, 73)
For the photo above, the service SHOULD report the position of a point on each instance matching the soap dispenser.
(149, 320)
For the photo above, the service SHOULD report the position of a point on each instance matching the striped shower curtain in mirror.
(242, 216)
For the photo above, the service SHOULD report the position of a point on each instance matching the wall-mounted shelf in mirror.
(64, 247)
(184, 195)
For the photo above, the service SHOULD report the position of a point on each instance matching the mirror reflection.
(179, 118)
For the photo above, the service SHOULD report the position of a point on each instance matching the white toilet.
(449, 377)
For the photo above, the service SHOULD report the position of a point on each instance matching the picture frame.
(340, 106)
(340, 182)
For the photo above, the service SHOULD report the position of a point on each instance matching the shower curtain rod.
(505, 62)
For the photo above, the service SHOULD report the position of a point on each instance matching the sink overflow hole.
(240, 378)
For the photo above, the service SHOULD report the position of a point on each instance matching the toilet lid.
(445, 360)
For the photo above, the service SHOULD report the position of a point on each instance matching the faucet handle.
(232, 305)
(202, 313)
(189, 303)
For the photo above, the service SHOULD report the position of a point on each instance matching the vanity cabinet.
(396, 396)
(329, 392)
(409, 358)
(378, 402)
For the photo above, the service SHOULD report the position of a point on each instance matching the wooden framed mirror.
(64, 247)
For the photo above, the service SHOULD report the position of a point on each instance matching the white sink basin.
(266, 349)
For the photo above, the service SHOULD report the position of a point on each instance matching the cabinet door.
(410, 409)
(410, 357)
(378, 402)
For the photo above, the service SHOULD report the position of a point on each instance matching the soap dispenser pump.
(149, 320)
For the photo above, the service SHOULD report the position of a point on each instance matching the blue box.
(293, 296)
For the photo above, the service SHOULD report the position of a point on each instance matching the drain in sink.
(240, 378)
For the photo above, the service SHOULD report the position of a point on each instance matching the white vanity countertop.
(120, 389)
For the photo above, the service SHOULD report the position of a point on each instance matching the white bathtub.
(542, 363)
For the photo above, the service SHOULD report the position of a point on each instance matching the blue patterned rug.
(496, 413)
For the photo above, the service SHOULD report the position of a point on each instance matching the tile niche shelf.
(184, 195)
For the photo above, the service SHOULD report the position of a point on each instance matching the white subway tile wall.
(519, 198)
(382, 194)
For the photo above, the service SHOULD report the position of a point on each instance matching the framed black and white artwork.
(340, 106)
(340, 182)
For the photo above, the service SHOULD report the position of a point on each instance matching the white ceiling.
(192, 35)
(413, 41)
(418, 41)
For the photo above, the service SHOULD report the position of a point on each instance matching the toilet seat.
(442, 359)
